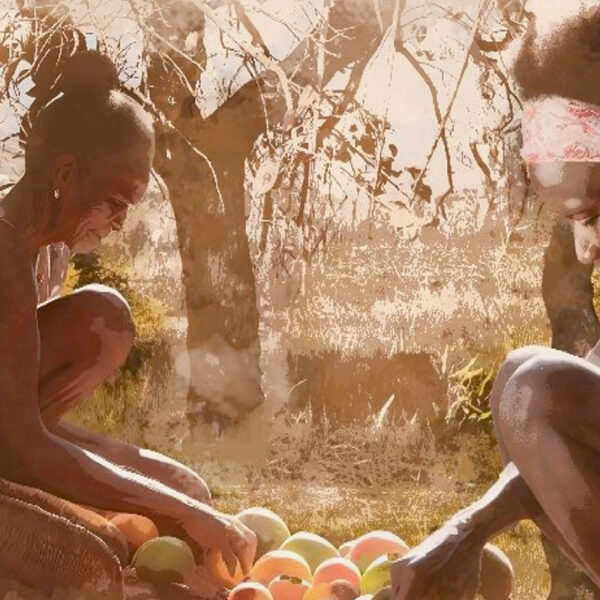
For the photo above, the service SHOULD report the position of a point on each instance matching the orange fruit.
(332, 590)
(337, 568)
(374, 544)
(250, 590)
(280, 562)
(288, 588)
(136, 529)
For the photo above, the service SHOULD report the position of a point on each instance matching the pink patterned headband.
(559, 129)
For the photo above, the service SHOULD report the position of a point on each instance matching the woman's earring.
(56, 195)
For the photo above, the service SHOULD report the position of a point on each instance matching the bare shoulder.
(17, 285)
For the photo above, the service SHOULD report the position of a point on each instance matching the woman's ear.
(64, 172)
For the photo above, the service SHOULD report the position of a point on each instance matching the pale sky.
(400, 94)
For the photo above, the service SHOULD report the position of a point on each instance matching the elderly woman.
(545, 403)
(87, 159)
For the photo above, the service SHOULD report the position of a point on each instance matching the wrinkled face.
(98, 205)
(573, 190)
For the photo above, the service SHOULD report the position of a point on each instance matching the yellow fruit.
(288, 588)
(384, 593)
(280, 562)
(218, 571)
(163, 559)
(377, 575)
(337, 568)
(314, 548)
(270, 529)
(249, 590)
(374, 544)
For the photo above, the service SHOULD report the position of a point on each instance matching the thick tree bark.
(217, 270)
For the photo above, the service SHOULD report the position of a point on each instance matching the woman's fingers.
(243, 541)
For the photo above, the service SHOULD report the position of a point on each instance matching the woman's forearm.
(146, 462)
(78, 475)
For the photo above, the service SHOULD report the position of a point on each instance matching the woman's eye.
(591, 221)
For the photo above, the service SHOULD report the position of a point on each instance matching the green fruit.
(377, 575)
(270, 529)
(163, 559)
(313, 548)
(384, 593)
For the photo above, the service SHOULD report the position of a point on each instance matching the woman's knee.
(543, 392)
(107, 315)
(514, 360)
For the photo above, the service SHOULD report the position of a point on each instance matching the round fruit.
(288, 588)
(280, 562)
(384, 593)
(314, 548)
(249, 590)
(270, 529)
(377, 574)
(374, 544)
(496, 579)
(332, 590)
(218, 571)
(136, 529)
(345, 548)
(163, 559)
(337, 568)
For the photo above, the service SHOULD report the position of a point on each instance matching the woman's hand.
(212, 529)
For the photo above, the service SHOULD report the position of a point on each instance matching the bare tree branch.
(266, 61)
(482, 8)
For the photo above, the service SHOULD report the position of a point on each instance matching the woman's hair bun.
(88, 73)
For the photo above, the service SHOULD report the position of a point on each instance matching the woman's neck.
(34, 214)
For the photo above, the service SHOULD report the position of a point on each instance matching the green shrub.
(122, 407)
(473, 385)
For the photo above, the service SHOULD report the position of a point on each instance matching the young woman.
(545, 403)
(87, 159)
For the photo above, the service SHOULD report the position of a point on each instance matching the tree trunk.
(222, 337)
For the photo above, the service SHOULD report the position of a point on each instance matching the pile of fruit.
(302, 566)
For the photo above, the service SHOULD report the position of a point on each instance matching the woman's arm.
(147, 462)
(31, 454)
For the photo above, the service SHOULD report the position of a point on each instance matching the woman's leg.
(84, 338)
(550, 423)
(448, 561)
